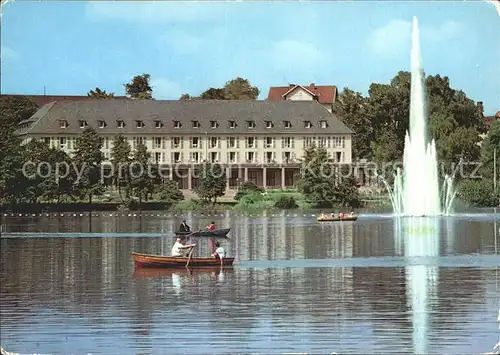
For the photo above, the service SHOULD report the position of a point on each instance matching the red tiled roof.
(488, 120)
(41, 100)
(326, 94)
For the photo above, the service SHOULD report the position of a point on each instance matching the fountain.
(416, 190)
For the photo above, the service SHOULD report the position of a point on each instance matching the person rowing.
(179, 249)
(211, 226)
(184, 227)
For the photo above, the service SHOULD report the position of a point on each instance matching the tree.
(187, 97)
(120, 159)
(13, 110)
(346, 191)
(47, 173)
(236, 89)
(62, 176)
(142, 183)
(317, 182)
(169, 192)
(214, 94)
(240, 89)
(34, 153)
(212, 183)
(491, 143)
(88, 158)
(388, 111)
(351, 108)
(100, 94)
(139, 87)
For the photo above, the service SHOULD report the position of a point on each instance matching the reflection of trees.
(373, 239)
(458, 290)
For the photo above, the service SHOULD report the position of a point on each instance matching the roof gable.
(326, 94)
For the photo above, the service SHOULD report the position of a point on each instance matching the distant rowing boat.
(337, 219)
(218, 233)
(160, 261)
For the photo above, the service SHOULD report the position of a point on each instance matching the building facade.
(326, 95)
(258, 141)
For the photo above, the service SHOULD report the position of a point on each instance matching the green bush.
(246, 188)
(478, 193)
(254, 201)
(286, 202)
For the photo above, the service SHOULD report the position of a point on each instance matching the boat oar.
(189, 258)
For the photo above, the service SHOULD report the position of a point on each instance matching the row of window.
(250, 124)
(213, 142)
(231, 157)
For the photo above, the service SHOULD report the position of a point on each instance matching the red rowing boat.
(160, 261)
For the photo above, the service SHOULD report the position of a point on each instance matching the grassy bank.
(268, 200)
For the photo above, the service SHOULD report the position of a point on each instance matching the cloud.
(180, 42)
(395, 36)
(389, 39)
(147, 12)
(165, 89)
(8, 54)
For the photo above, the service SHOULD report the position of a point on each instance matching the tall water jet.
(416, 189)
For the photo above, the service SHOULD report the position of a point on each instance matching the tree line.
(140, 88)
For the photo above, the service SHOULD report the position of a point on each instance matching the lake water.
(377, 285)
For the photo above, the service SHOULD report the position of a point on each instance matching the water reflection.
(420, 237)
(86, 290)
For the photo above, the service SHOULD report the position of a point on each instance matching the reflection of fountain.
(416, 189)
(420, 237)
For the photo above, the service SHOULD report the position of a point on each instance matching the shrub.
(246, 188)
(254, 201)
(286, 202)
(478, 193)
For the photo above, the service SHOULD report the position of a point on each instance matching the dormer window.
(139, 124)
(177, 124)
(102, 124)
(196, 124)
(82, 123)
(120, 124)
(250, 124)
(287, 124)
(323, 124)
(307, 124)
(158, 124)
(232, 124)
(213, 124)
(63, 124)
(269, 124)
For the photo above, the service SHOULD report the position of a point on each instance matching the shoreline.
(83, 207)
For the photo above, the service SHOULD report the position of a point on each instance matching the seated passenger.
(184, 227)
(220, 252)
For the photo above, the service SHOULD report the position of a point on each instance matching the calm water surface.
(379, 285)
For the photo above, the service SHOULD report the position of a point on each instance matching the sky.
(73, 46)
